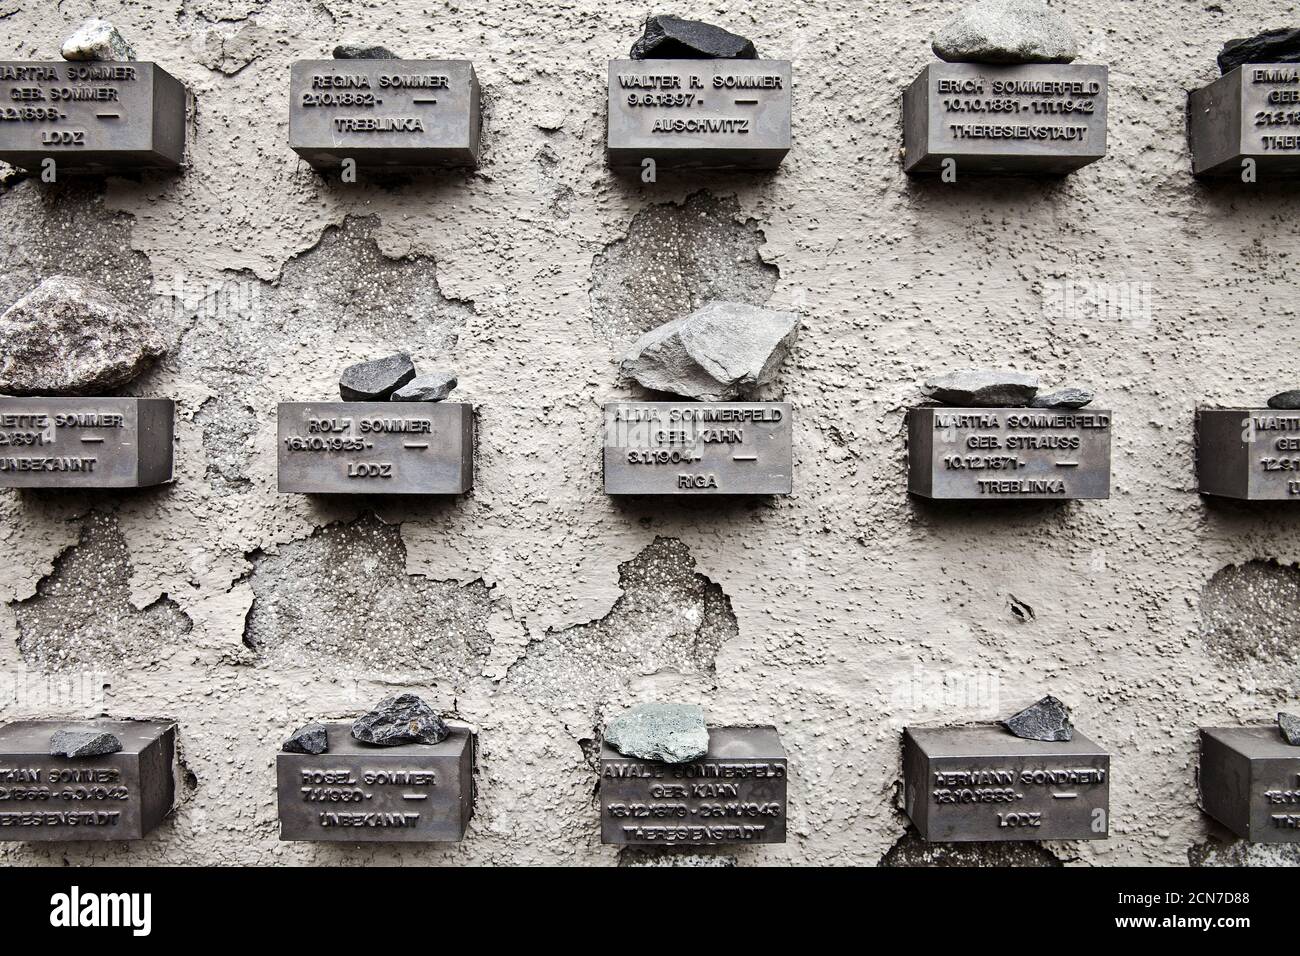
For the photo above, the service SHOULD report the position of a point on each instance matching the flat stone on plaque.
(1252, 454)
(376, 448)
(734, 794)
(1251, 113)
(110, 796)
(710, 113)
(85, 442)
(1050, 118)
(357, 793)
(1250, 782)
(698, 448)
(384, 112)
(989, 454)
(91, 116)
(983, 783)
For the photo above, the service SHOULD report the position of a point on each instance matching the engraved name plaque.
(1046, 119)
(1008, 453)
(400, 113)
(698, 448)
(91, 116)
(118, 796)
(983, 783)
(1250, 782)
(702, 113)
(358, 793)
(1250, 113)
(733, 794)
(384, 448)
(1248, 453)
(85, 442)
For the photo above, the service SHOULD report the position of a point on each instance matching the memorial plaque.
(400, 113)
(1008, 453)
(703, 113)
(85, 442)
(1250, 782)
(983, 783)
(1251, 113)
(119, 796)
(376, 448)
(1248, 453)
(91, 116)
(360, 793)
(733, 794)
(698, 448)
(1042, 118)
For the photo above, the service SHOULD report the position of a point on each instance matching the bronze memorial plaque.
(1250, 782)
(1250, 114)
(703, 113)
(376, 448)
(1248, 453)
(985, 454)
(1041, 118)
(984, 783)
(401, 113)
(85, 442)
(117, 796)
(698, 448)
(736, 793)
(355, 792)
(91, 116)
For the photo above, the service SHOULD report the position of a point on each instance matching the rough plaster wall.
(838, 614)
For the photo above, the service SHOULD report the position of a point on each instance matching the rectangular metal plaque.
(698, 448)
(733, 794)
(1248, 453)
(1250, 782)
(91, 116)
(984, 454)
(119, 796)
(384, 112)
(358, 793)
(376, 448)
(85, 442)
(1042, 118)
(704, 113)
(1251, 113)
(984, 783)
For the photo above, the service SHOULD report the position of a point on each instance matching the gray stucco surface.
(535, 605)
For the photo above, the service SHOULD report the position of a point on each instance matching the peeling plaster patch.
(673, 260)
(1241, 853)
(669, 617)
(343, 594)
(911, 850)
(228, 429)
(230, 51)
(664, 856)
(81, 612)
(1251, 611)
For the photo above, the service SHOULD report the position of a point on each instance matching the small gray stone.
(1049, 719)
(311, 739)
(1271, 46)
(1069, 397)
(1006, 31)
(352, 51)
(1289, 399)
(981, 388)
(1289, 724)
(376, 381)
(719, 353)
(97, 39)
(429, 387)
(71, 337)
(401, 719)
(83, 743)
(672, 733)
(672, 38)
